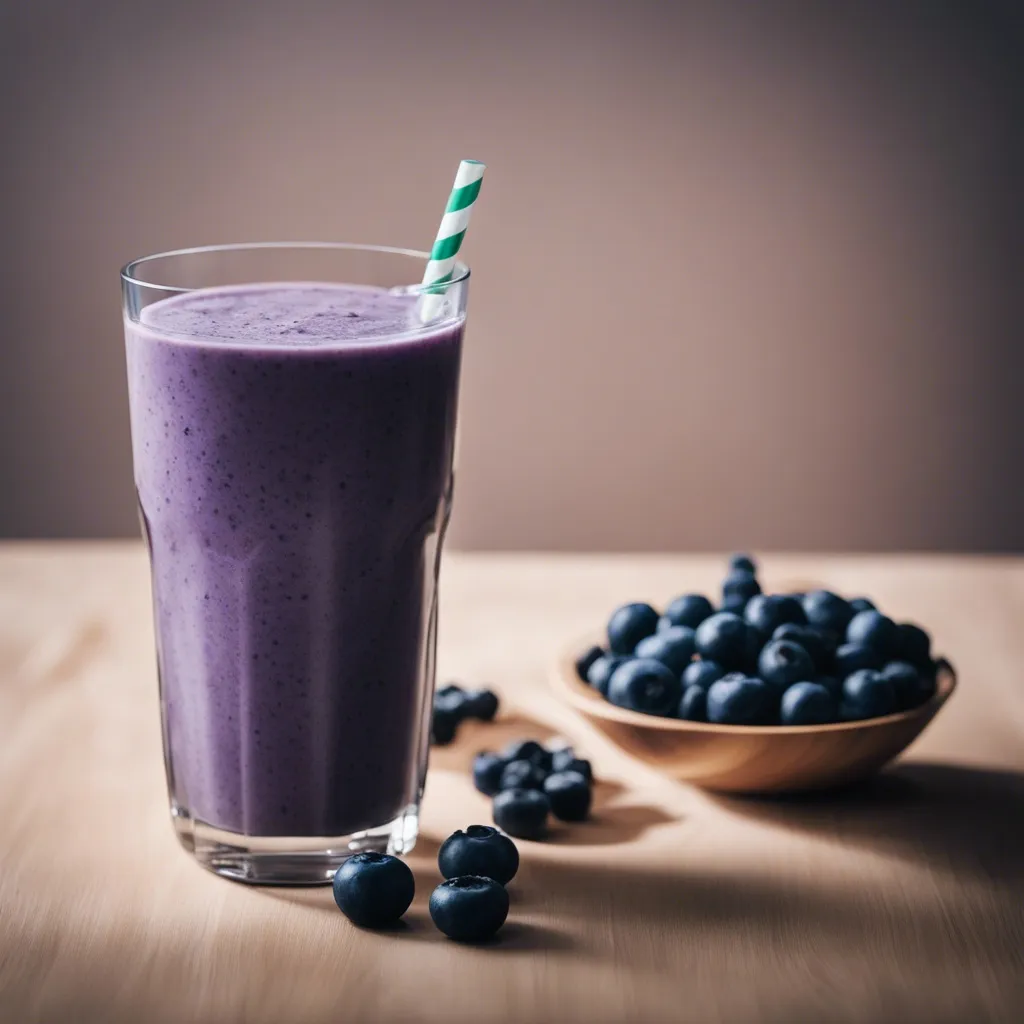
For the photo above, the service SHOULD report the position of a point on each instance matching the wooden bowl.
(753, 759)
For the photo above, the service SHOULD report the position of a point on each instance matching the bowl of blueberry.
(765, 693)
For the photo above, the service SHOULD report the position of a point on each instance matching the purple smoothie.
(293, 459)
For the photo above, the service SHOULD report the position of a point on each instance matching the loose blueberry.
(673, 647)
(693, 705)
(481, 704)
(449, 690)
(737, 589)
(480, 850)
(852, 658)
(766, 612)
(522, 775)
(601, 671)
(569, 795)
(629, 625)
(574, 764)
(808, 704)
(469, 908)
(702, 674)
(586, 659)
(686, 610)
(820, 644)
(561, 756)
(743, 563)
(862, 604)
(581, 765)
(742, 701)
(833, 684)
(867, 695)
(487, 769)
(528, 750)
(913, 644)
(912, 687)
(444, 724)
(827, 611)
(873, 629)
(522, 813)
(373, 890)
(645, 685)
(724, 638)
(784, 662)
(451, 698)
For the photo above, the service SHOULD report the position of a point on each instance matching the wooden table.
(902, 902)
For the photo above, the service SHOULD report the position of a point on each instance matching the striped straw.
(450, 234)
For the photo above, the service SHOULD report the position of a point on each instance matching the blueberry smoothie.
(293, 459)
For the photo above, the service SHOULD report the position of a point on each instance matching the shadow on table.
(954, 817)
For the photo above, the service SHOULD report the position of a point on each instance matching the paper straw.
(449, 236)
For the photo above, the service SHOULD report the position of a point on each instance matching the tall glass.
(293, 446)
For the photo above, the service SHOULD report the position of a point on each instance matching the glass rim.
(460, 272)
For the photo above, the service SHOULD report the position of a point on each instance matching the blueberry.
(827, 611)
(673, 647)
(645, 685)
(481, 704)
(480, 850)
(528, 750)
(586, 659)
(686, 610)
(487, 769)
(444, 724)
(862, 604)
(693, 705)
(739, 701)
(867, 695)
(820, 644)
(581, 765)
(766, 612)
(702, 674)
(469, 908)
(912, 687)
(852, 658)
(569, 795)
(737, 589)
(784, 662)
(574, 764)
(873, 629)
(522, 813)
(808, 704)
(373, 890)
(560, 757)
(724, 638)
(451, 698)
(629, 625)
(913, 644)
(601, 671)
(522, 775)
(743, 563)
(833, 684)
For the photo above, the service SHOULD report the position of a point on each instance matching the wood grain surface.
(900, 901)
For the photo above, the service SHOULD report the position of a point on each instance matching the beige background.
(746, 274)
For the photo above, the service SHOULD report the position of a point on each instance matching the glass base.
(285, 860)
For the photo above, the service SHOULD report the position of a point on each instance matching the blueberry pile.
(453, 705)
(761, 659)
(529, 781)
(374, 890)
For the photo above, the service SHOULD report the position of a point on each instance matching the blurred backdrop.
(746, 275)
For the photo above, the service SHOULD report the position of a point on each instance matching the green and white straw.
(450, 234)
